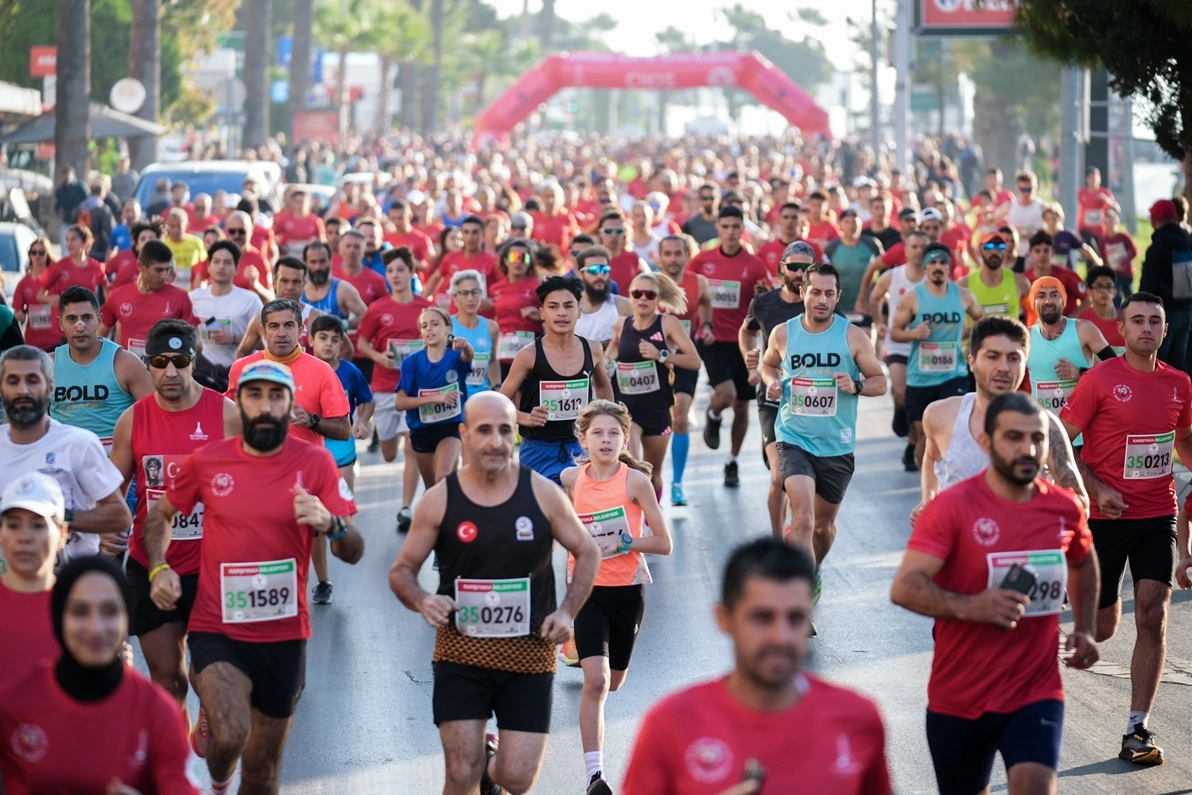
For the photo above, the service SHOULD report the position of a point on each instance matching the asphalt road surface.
(364, 722)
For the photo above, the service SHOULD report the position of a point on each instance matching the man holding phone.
(990, 560)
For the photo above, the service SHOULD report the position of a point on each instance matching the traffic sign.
(128, 95)
(43, 61)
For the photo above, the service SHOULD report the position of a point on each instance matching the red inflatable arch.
(747, 70)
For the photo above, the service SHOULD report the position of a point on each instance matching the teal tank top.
(939, 358)
(89, 396)
(814, 415)
(482, 343)
(1046, 387)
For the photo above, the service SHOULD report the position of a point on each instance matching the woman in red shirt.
(76, 268)
(40, 319)
(515, 304)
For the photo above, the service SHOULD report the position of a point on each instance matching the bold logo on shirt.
(940, 317)
(986, 531)
(708, 759)
(198, 435)
(814, 360)
(1123, 393)
(30, 743)
(525, 528)
(63, 394)
(126, 309)
(222, 484)
(466, 532)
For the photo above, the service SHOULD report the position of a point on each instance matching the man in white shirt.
(226, 311)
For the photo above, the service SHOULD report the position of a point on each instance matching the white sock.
(593, 762)
(731, 459)
(713, 414)
(1137, 718)
(221, 787)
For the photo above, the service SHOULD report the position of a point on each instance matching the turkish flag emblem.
(466, 532)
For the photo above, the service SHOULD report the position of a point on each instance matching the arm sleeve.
(183, 491)
(1106, 353)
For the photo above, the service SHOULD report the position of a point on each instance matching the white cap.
(930, 214)
(415, 197)
(35, 492)
(864, 182)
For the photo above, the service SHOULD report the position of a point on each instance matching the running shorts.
(650, 413)
(521, 702)
(724, 362)
(390, 422)
(963, 750)
(608, 623)
(896, 358)
(918, 398)
(146, 616)
(1147, 544)
(831, 474)
(549, 459)
(277, 669)
(426, 438)
(685, 381)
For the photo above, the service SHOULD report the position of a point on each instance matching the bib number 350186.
(493, 608)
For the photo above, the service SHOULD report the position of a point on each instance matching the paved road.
(364, 722)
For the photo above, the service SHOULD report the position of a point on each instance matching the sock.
(1137, 718)
(732, 459)
(593, 762)
(221, 787)
(713, 414)
(680, 444)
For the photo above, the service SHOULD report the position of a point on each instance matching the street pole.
(902, 65)
(874, 109)
(1071, 85)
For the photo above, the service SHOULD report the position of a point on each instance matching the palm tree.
(343, 26)
(257, 16)
(73, 101)
(304, 11)
(430, 85)
(144, 64)
(400, 35)
(491, 57)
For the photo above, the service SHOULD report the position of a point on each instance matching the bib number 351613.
(265, 591)
(493, 608)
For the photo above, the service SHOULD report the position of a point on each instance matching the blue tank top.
(482, 343)
(328, 304)
(939, 358)
(814, 414)
(89, 395)
(1046, 387)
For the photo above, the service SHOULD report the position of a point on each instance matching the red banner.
(315, 125)
(43, 61)
(963, 17)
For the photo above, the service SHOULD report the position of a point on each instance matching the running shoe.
(568, 655)
(322, 594)
(677, 495)
(819, 586)
(711, 431)
(487, 785)
(731, 478)
(1139, 747)
(598, 786)
(374, 444)
(199, 735)
(404, 517)
(899, 425)
(908, 459)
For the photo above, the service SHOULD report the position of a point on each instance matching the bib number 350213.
(1047, 594)
(265, 591)
(493, 608)
(1148, 456)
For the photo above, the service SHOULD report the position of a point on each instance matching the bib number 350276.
(937, 357)
(493, 608)
(1047, 594)
(1148, 456)
(563, 400)
(265, 591)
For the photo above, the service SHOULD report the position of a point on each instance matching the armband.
(156, 570)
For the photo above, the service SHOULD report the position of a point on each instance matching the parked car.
(210, 176)
(15, 240)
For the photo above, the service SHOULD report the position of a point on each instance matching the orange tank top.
(605, 509)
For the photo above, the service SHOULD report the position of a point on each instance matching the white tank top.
(965, 457)
(599, 324)
(1027, 220)
(899, 286)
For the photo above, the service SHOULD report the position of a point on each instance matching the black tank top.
(628, 353)
(555, 430)
(497, 542)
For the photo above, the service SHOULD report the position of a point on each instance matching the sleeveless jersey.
(645, 383)
(939, 358)
(328, 304)
(482, 343)
(161, 441)
(900, 285)
(89, 395)
(604, 508)
(1000, 300)
(566, 395)
(964, 458)
(598, 325)
(500, 542)
(1046, 387)
(815, 415)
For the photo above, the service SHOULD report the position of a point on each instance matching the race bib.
(439, 410)
(157, 472)
(609, 525)
(443, 301)
(106, 441)
(136, 348)
(937, 357)
(39, 316)
(404, 349)
(637, 378)
(266, 591)
(479, 372)
(563, 400)
(725, 295)
(1092, 217)
(995, 309)
(813, 397)
(187, 526)
(1053, 395)
(509, 344)
(1148, 457)
(493, 608)
(225, 324)
(1116, 254)
(1047, 594)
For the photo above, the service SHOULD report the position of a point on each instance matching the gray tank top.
(965, 457)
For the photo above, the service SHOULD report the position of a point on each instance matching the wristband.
(158, 569)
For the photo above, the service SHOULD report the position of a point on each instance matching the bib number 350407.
(1047, 594)
(637, 378)
(265, 591)
(493, 608)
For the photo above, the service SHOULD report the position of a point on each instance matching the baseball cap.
(991, 236)
(415, 197)
(908, 212)
(931, 214)
(847, 213)
(864, 182)
(35, 492)
(264, 370)
(1163, 210)
(937, 249)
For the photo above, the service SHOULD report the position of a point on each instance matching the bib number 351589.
(493, 608)
(265, 591)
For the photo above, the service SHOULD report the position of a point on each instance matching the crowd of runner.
(528, 331)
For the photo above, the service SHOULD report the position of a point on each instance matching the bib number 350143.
(1047, 594)
(493, 608)
(1148, 456)
(265, 591)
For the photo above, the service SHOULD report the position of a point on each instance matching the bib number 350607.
(265, 591)
(1047, 594)
(813, 397)
(493, 608)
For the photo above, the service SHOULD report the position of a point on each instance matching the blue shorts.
(549, 459)
(963, 750)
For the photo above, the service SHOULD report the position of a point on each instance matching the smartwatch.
(68, 516)
(663, 354)
(315, 419)
(340, 528)
(626, 540)
(858, 384)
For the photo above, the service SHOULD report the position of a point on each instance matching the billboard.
(964, 18)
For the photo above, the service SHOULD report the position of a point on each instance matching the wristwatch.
(663, 354)
(859, 384)
(340, 528)
(68, 516)
(626, 540)
(315, 419)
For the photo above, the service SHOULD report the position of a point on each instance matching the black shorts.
(724, 362)
(963, 751)
(607, 624)
(685, 381)
(1147, 544)
(651, 413)
(918, 398)
(146, 616)
(831, 474)
(767, 414)
(896, 358)
(426, 438)
(366, 368)
(521, 702)
(277, 668)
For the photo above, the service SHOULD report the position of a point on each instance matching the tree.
(343, 25)
(546, 24)
(430, 75)
(73, 102)
(300, 56)
(400, 36)
(1143, 45)
(258, 24)
(144, 64)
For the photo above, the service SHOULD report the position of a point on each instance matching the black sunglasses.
(796, 266)
(161, 362)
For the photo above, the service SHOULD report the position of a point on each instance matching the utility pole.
(902, 90)
(874, 108)
(1073, 134)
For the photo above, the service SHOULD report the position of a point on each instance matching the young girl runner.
(612, 493)
(467, 291)
(432, 392)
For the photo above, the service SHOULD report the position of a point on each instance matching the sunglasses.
(161, 362)
(575, 252)
(649, 295)
(597, 270)
(706, 198)
(1025, 189)
(991, 246)
(231, 231)
(790, 265)
(37, 252)
(517, 256)
(614, 232)
(518, 227)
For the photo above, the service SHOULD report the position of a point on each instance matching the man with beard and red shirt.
(265, 494)
(734, 277)
(472, 257)
(137, 306)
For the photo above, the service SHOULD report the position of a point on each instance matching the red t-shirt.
(1108, 327)
(168, 438)
(64, 273)
(1120, 252)
(822, 233)
(894, 256)
(979, 668)
(1091, 206)
(390, 320)
(508, 302)
(431, 231)
(300, 230)
(115, 264)
(41, 327)
(370, 284)
(451, 264)
(557, 229)
(957, 239)
(248, 519)
(27, 632)
(264, 241)
(771, 254)
(137, 312)
(53, 743)
(1074, 286)
(416, 241)
(319, 390)
(732, 280)
(623, 269)
(697, 742)
(1113, 403)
